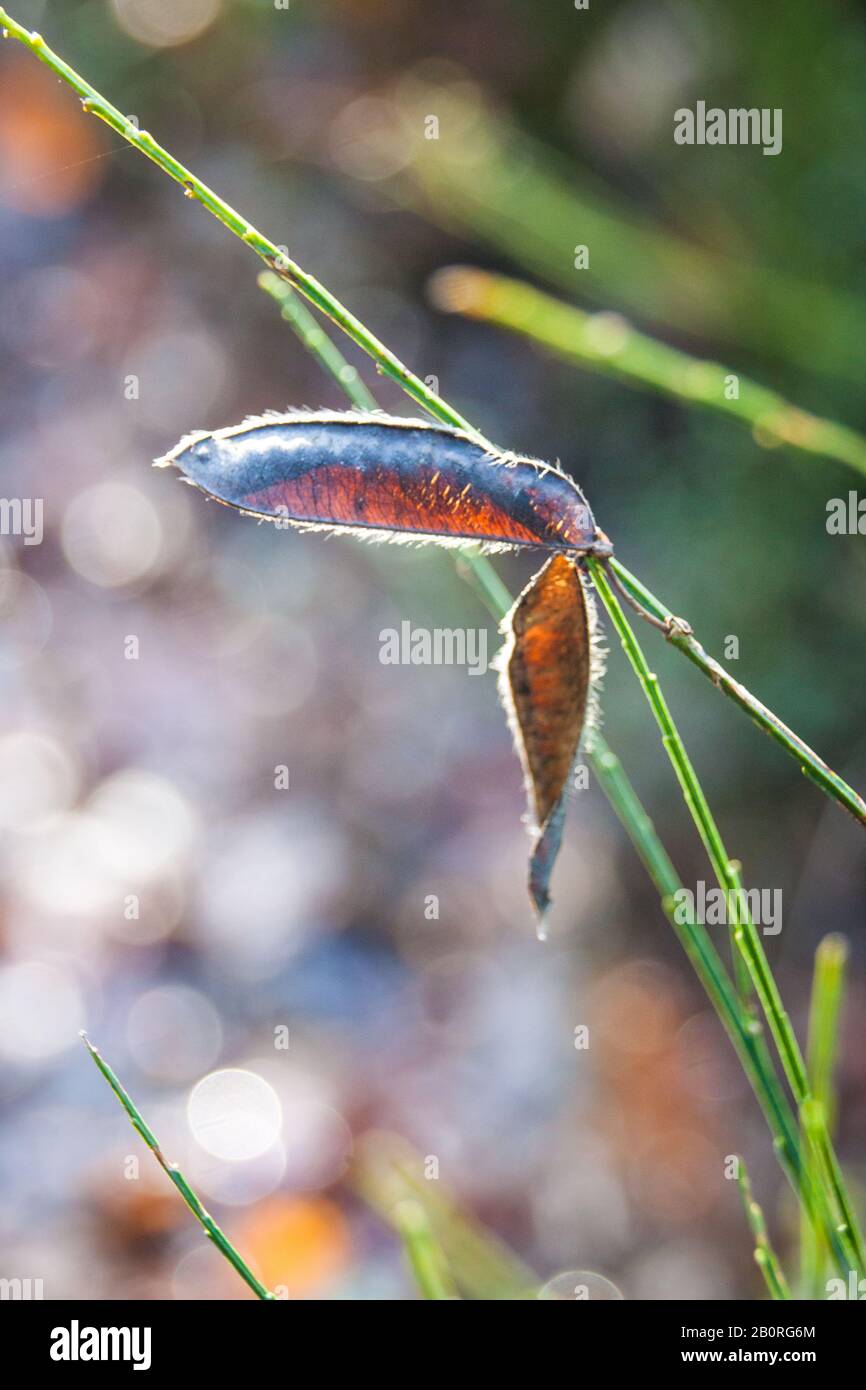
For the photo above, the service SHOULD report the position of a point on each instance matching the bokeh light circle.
(234, 1114)
(164, 25)
(112, 535)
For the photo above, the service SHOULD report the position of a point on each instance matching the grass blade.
(203, 1217)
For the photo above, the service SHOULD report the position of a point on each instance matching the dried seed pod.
(384, 478)
(549, 668)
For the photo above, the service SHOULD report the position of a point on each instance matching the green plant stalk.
(387, 362)
(605, 343)
(314, 338)
(825, 1007)
(741, 1026)
(828, 987)
(745, 934)
(387, 1171)
(205, 1220)
(681, 637)
(765, 1255)
(743, 1030)
(425, 1257)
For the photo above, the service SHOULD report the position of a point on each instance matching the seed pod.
(385, 477)
(549, 668)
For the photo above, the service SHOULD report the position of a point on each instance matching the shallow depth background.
(263, 909)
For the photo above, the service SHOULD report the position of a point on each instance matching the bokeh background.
(262, 910)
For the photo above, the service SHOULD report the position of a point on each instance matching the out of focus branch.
(605, 343)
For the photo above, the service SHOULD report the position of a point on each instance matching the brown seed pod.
(549, 667)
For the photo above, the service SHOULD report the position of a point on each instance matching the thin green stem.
(605, 343)
(828, 986)
(743, 1030)
(423, 1252)
(314, 338)
(827, 990)
(679, 634)
(275, 257)
(765, 1256)
(205, 1220)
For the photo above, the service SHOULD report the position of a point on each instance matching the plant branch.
(680, 636)
(203, 1217)
(314, 338)
(742, 1028)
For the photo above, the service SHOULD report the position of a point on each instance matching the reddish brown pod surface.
(549, 667)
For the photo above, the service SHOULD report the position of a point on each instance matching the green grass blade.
(205, 1220)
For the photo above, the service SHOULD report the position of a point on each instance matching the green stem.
(827, 990)
(765, 1255)
(205, 1220)
(681, 637)
(745, 934)
(386, 1172)
(277, 259)
(314, 338)
(828, 987)
(743, 1030)
(426, 1258)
